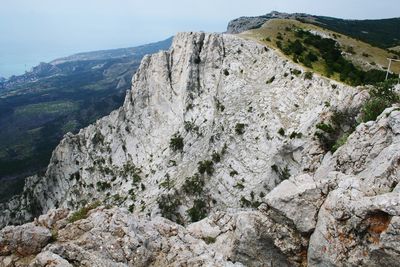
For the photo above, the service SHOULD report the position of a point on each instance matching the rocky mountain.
(65, 95)
(222, 137)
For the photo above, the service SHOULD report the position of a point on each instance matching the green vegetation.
(82, 213)
(382, 96)
(382, 33)
(169, 204)
(102, 186)
(283, 174)
(176, 143)
(309, 48)
(193, 185)
(239, 128)
(216, 157)
(206, 166)
(198, 211)
(332, 135)
(209, 239)
(39, 107)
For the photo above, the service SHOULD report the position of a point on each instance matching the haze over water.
(42, 30)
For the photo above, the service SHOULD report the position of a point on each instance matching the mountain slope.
(207, 133)
(383, 33)
(39, 107)
(326, 52)
(205, 110)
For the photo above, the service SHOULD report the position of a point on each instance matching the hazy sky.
(41, 30)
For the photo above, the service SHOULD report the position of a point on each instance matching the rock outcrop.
(217, 135)
(244, 115)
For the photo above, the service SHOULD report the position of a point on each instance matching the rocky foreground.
(218, 136)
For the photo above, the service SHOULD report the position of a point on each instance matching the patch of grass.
(82, 213)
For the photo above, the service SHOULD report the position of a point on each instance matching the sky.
(33, 31)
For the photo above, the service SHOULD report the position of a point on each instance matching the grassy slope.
(272, 27)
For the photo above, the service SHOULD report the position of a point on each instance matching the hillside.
(384, 33)
(250, 161)
(326, 52)
(39, 107)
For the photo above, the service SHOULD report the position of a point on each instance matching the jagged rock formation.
(224, 128)
(224, 96)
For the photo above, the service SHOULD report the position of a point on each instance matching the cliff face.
(222, 128)
(222, 95)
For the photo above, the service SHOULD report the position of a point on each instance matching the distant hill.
(65, 95)
(383, 33)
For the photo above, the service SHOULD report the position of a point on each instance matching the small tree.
(176, 143)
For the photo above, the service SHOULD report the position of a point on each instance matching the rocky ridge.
(272, 197)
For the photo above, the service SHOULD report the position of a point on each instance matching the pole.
(388, 69)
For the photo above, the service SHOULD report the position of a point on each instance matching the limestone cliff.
(223, 128)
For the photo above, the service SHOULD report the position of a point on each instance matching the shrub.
(295, 135)
(193, 185)
(209, 239)
(206, 166)
(331, 136)
(239, 128)
(239, 185)
(233, 173)
(373, 108)
(216, 157)
(281, 131)
(82, 213)
(176, 143)
(308, 75)
(98, 138)
(102, 186)
(219, 106)
(383, 95)
(198, 211)
(271, 80)
(169, 205)
(283, 174)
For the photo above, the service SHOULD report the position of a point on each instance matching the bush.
(271, 80)
(331, 136)
(176, 143)
(102, 186)
(281, 131)
(382, 97)
(239, 128)
(193, 185)
(308, 75)
(206, 166)
(169, 205)
(82, 213)
(216, 157)
(373, 108)
(283, 174)
(198, 211)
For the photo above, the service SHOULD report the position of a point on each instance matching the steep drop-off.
(222, 128)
